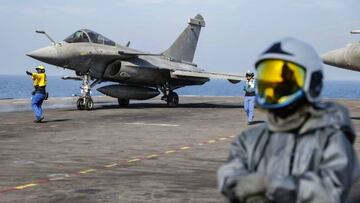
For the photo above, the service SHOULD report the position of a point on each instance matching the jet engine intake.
(113, 72)
(130, 73)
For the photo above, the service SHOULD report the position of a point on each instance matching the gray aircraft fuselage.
(347, 57)
(139, 75)
(104, 62)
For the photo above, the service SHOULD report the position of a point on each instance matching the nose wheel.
(85, 103)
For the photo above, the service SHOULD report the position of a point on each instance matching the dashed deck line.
(20, 187)
(154, 124)
(126, 163)
(111, 165)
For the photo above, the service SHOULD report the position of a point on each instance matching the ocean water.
(21, 87)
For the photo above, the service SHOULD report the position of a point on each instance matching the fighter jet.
(346, 58)
(137, 75)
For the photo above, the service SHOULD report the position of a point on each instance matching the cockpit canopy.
(89, 36)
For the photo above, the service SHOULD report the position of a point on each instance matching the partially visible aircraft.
(140, 75)
(347, 57)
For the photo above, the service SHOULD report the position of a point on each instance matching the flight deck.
(147, 152)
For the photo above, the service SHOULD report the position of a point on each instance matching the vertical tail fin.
(183, 49)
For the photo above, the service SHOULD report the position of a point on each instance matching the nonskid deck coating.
(146, 153)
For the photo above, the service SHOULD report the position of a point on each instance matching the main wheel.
(172, 99)
(124, 102)
(80, 104)
(89, 104)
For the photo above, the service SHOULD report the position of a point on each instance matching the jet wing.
(186, 73)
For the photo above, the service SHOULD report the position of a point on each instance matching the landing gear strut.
(171, 97)
(85, 101)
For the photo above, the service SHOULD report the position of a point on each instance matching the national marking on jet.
(347, 57)
(139, 75)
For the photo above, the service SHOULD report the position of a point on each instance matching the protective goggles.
(249, 75)
(279, 83)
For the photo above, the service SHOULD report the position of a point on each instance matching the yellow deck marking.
(87, 171)
(110, 165)
(152, 156)
(133, 160)
(115, 164)
(154, 124)
(20, 102)
(26, 186)
(53, 179)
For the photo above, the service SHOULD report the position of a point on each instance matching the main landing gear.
(123, 102)
(171, 97)
(85, 101)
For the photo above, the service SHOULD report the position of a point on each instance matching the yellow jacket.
(39, 79)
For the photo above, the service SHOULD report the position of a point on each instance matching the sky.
(236, 31)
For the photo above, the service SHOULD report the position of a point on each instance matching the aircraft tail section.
(183, 49)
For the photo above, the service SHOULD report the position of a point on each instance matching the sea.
(20, 86)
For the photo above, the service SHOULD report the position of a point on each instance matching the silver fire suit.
(305, 158)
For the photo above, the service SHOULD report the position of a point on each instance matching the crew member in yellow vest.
(39, 94)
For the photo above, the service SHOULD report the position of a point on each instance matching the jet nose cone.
(335, 58)
(47, 54)
(327, 57)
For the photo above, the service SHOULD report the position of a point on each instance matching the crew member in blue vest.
(249, 99)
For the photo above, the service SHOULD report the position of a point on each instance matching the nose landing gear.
(85, 101)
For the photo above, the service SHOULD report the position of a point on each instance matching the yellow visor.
(278, 81)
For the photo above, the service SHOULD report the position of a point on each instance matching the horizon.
(212, 80)
(236, 31)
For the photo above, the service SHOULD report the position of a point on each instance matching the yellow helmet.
(40, 67)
